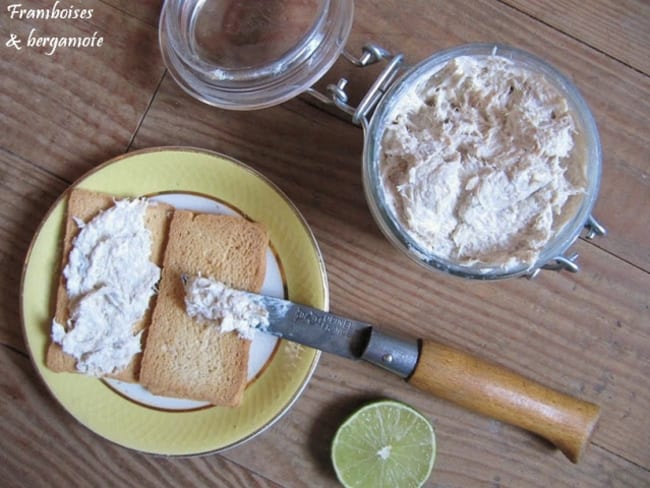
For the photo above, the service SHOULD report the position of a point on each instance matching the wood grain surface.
(586, 334)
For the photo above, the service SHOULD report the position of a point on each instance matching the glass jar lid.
(251, 54)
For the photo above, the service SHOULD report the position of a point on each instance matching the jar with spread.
(482, 161)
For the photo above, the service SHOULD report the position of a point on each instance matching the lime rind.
(384, 444)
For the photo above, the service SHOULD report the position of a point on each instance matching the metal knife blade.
(314, 328)
(338, 335)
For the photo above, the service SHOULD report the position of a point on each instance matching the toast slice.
(187, 359)
(85, 205)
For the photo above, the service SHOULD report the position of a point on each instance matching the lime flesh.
(384, 444)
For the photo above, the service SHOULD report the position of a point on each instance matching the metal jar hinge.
(337, 95)
(564, 263)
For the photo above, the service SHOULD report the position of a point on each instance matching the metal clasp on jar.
(564, 263)
(337, 95)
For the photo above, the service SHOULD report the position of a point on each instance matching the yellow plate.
(116, 417)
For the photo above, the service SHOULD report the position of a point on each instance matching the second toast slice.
(182, 357)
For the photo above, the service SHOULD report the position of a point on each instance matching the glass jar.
(552, 255)
(246, 55)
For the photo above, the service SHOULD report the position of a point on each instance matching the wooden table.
(587, 334)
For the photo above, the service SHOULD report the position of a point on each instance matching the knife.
(475, 384)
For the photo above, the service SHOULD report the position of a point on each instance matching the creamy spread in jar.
(480, 165)
(109, 281)
(212, 302)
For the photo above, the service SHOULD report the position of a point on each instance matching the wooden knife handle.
(496, 392)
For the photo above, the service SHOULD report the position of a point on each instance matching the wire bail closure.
(569, 263)
(336, 94)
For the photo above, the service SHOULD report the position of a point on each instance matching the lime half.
(384, 444)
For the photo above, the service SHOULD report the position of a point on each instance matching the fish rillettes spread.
(481, 163)
(110, 280)
(212, 302)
